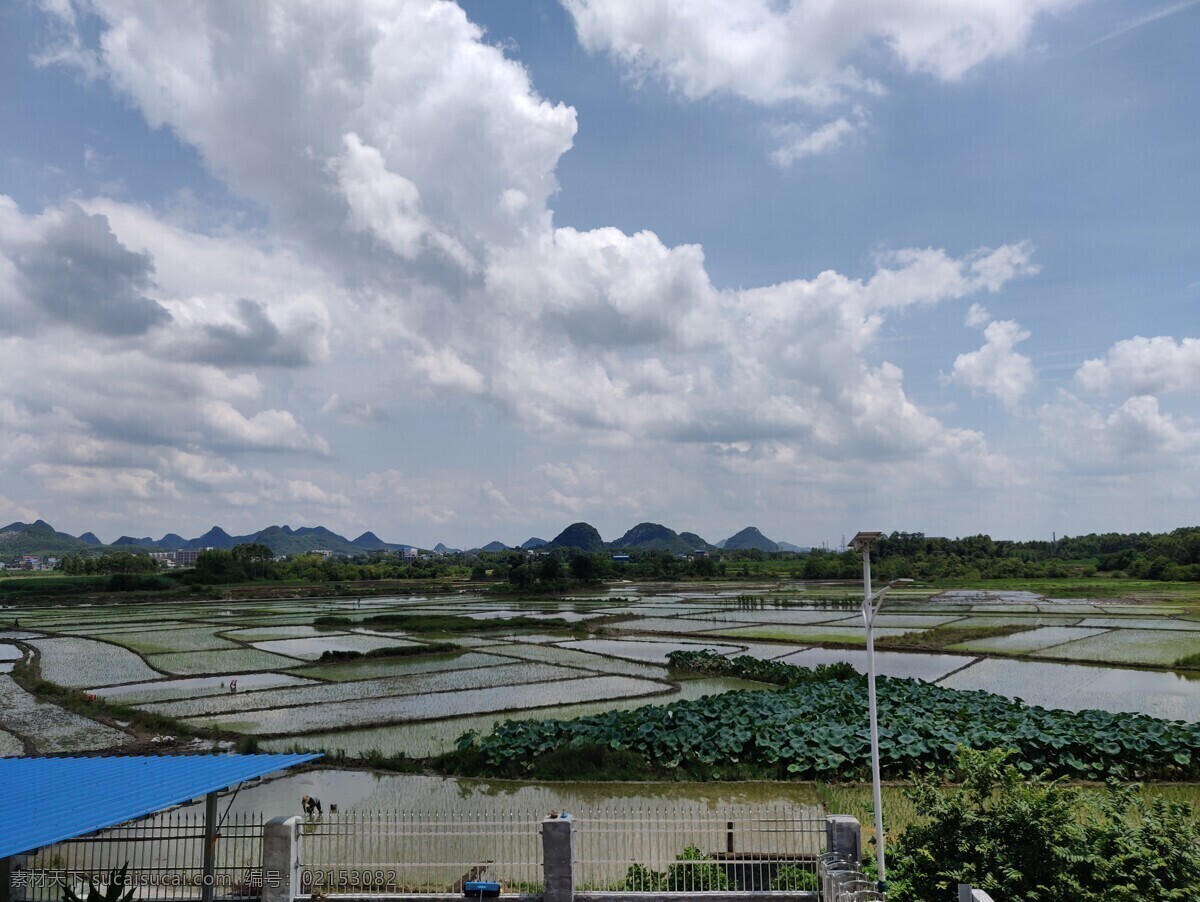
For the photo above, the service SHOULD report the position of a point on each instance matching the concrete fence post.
(281, 859)
(967, 893)
(13, 878)
(558, 859)
(843, 836)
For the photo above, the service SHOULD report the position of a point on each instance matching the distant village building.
(187, 558)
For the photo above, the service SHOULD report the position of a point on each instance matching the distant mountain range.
(41, 538)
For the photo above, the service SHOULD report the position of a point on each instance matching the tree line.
(1153, 556)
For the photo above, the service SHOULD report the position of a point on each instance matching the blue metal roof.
(47, 800)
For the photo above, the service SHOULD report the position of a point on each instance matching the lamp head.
(864, 540)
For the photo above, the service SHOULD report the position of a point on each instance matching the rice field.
(316, 694)
(49, 728)
(74, 662)
(1155, 647)
(11, 745)
(231, 661)
(192, 687)
(1029, 640)
(1077, 687)
(929, 667)
(313, 647)
(178, 661)
(283, 721)
(650, 650)
(808, 635)
(575, 657)
(151, 642)
(377, 668)
(433, 737)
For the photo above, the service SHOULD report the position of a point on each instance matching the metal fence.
(732, 849)
(842, 881)
(672, 848)
(397, 852)
(164, 854)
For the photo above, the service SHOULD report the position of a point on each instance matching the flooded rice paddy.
(179, 659)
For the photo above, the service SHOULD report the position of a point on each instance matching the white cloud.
(11, 512)
(996, 369)
(977, 316)
(780, 53)
(408, 251)
(389, 206)
(1132, 438)
(771, 52)
(797, 142)
(267, 430)
(306, 492)
(102, 483)
(1144, 366)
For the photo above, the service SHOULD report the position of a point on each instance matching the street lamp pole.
(870, 607)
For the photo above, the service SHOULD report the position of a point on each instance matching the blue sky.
(463, 273)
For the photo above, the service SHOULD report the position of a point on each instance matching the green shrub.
(640, 879)
(694, 872)
(1027, 839)
(790, 878)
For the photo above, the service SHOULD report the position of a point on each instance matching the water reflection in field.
(1077, 687)
(421, 740)
(887, 663)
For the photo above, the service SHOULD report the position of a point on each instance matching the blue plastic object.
(481, 888)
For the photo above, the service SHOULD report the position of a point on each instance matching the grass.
(899, 811)
(943, 636)
(337, 656)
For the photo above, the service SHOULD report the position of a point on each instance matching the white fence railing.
(390, 852)
(600, 850)
(842, 881)
(730, 849)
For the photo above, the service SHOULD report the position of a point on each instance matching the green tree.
(253, 556)
(218, 566)
(583, 567)
(550, 569)
(1026, 839)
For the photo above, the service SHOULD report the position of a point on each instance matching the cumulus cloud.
(802, 51)
(1144, 366)
(251, 339)
(406, 171)
(799, 49)
(977, 316)
(997, 368)
(70, 269)
(1135, 436)
(357, 412)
